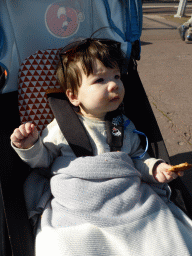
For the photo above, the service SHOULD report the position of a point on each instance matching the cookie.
(180, 167)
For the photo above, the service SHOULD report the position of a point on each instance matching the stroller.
(29, 26)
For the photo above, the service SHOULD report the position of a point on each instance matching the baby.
(99, 204)
(90, 75)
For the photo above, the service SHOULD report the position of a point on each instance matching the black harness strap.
(115, 129)
(72, 129)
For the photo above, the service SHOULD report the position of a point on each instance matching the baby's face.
(100, 92)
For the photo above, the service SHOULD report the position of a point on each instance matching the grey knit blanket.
(100, 206)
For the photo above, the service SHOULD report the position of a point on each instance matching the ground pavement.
(165, 70)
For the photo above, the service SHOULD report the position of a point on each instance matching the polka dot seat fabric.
(37, 74)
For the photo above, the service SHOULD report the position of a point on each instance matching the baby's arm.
(36, 151)
(162, 175)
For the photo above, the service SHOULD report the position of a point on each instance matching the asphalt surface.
(165, 70)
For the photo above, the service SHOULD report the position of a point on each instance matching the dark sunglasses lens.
(72, 46)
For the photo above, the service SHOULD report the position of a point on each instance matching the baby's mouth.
(116, 98)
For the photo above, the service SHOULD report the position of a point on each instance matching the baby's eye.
(117, 76)
(100, 80)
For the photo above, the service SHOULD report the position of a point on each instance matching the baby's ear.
(73, 97)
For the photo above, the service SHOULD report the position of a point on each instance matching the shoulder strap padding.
(70, 125)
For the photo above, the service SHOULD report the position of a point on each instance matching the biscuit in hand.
(180, 167)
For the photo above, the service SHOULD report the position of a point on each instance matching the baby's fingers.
(16, 136)
(26, 129)
(22, 132)
(170, 175)
(165, 177)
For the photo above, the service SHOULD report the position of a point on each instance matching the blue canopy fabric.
(27, 26)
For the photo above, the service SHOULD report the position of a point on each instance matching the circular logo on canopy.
(63, 18)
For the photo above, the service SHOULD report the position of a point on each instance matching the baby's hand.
(25, 136)
(162, 174)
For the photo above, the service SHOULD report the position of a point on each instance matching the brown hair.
(109, 54)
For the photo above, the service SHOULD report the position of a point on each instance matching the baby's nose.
(112, 86)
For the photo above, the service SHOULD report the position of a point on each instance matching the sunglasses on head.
(79, 45)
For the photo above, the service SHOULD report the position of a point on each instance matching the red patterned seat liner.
(37, 74)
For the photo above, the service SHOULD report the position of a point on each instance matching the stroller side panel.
(8, 52)
(12, 175)
(4, 239)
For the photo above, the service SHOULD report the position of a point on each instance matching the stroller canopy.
(27, 26)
